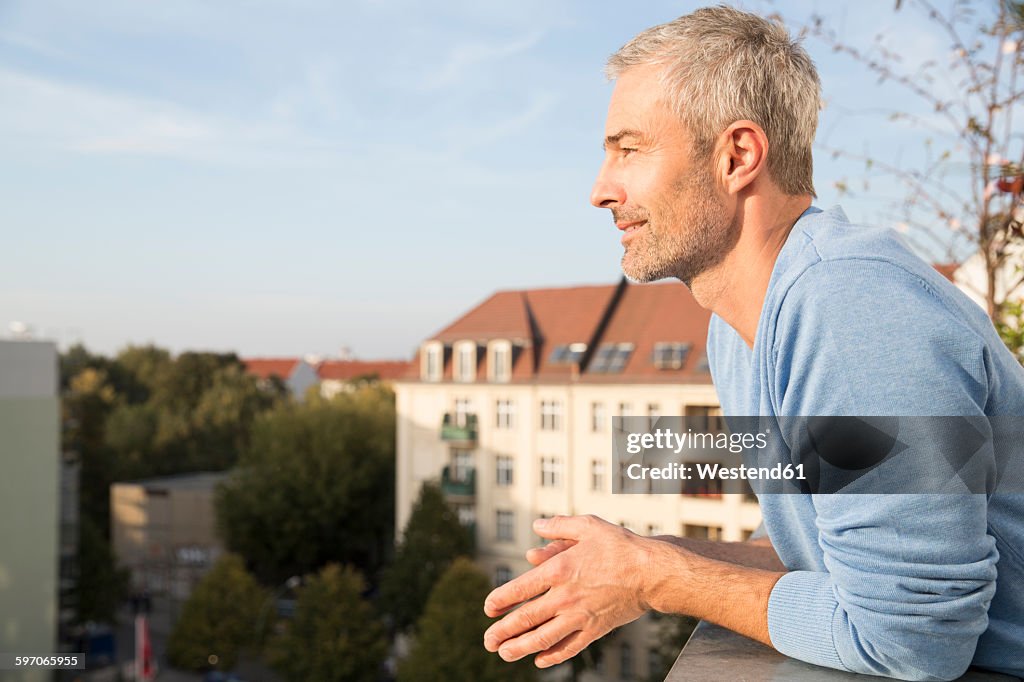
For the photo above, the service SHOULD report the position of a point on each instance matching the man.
(708, 174)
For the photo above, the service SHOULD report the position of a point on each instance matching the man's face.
(665, 202)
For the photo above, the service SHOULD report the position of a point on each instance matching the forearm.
(722, 591)
(752, 553)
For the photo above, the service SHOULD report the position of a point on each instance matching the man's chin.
(639, 273)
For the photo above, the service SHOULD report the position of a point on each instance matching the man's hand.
(586, 583)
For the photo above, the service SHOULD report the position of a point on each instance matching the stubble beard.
(686, 237)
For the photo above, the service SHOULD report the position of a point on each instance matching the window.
(705, 418)
(463, 408)
(653, 412)
(505, 524)
(462, 464)
(746, 533)
(500, 363)
(670, 355)
(433, 358)
(653, 529)
(611, 358)
(503, 467)
(625, 409)
(550, 415)
(465, 361)
(696, 487)
(466, 514)
(626, 661)
(655, 666)
(502, 574)
(506, 414)
(567, 354)
(702, 364)
(597, 474)
(597, 417)
(550, 472)
(698, 532)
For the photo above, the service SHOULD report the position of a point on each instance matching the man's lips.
(630, 228)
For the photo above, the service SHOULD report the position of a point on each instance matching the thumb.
(564, 527)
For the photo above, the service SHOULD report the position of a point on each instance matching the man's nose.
(607, 193)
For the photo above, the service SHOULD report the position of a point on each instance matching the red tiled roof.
(264, 368)
(502, 316)
(539, 320)
(946, 269)
(649, 314)
(345, 370)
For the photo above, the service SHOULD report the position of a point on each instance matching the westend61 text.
(667, 439)
(704, 471)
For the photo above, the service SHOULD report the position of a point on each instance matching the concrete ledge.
(714, 653)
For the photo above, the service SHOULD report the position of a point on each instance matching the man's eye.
(626, 151)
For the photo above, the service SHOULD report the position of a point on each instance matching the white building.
(29, 505)
(512, 413)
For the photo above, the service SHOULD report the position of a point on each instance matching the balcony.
(714, 653)
(458, 487)
(461, 431)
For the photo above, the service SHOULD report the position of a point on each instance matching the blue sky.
(277, 178)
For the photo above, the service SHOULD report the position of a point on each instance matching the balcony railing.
(714, 653)
(454, 429)
(459, 487)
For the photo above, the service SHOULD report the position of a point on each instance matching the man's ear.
(742, 154)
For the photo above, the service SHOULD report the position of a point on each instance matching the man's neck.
(735, 288)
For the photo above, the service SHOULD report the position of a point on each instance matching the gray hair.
(723, 65)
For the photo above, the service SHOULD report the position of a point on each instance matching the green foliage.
(335, 635)
(1011, 327)
(314, 486)
(219, 618)
(101, 585)
(450, 634)
(145, 413)
(432, 539)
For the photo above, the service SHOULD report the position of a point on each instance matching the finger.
(564, 650)
(565, 527)
(539, 555)
(542, 638)
(534, 582)
(527, 617)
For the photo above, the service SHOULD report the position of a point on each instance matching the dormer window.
(432, 364)
(465, 361)
(499, 364)
(670, 355)
(568, 353)
(611, 358)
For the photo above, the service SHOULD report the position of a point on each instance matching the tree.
(314, 486)
(219, 618)
(335, 634)
(432, 539)
(972, 124)
(450, 634)
(101, 585)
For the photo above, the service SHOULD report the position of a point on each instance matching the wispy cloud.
(50, 114)
(463, 58)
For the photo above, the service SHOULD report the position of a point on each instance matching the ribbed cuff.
(801, 609)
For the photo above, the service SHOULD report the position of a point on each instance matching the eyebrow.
(625, 132)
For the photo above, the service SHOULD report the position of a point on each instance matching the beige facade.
(164, 531)
(512, 412)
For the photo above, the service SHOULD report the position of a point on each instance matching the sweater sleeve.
(909, 578)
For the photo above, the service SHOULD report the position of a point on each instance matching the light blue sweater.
(915, 587)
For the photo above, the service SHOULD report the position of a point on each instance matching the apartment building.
(510, 407)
